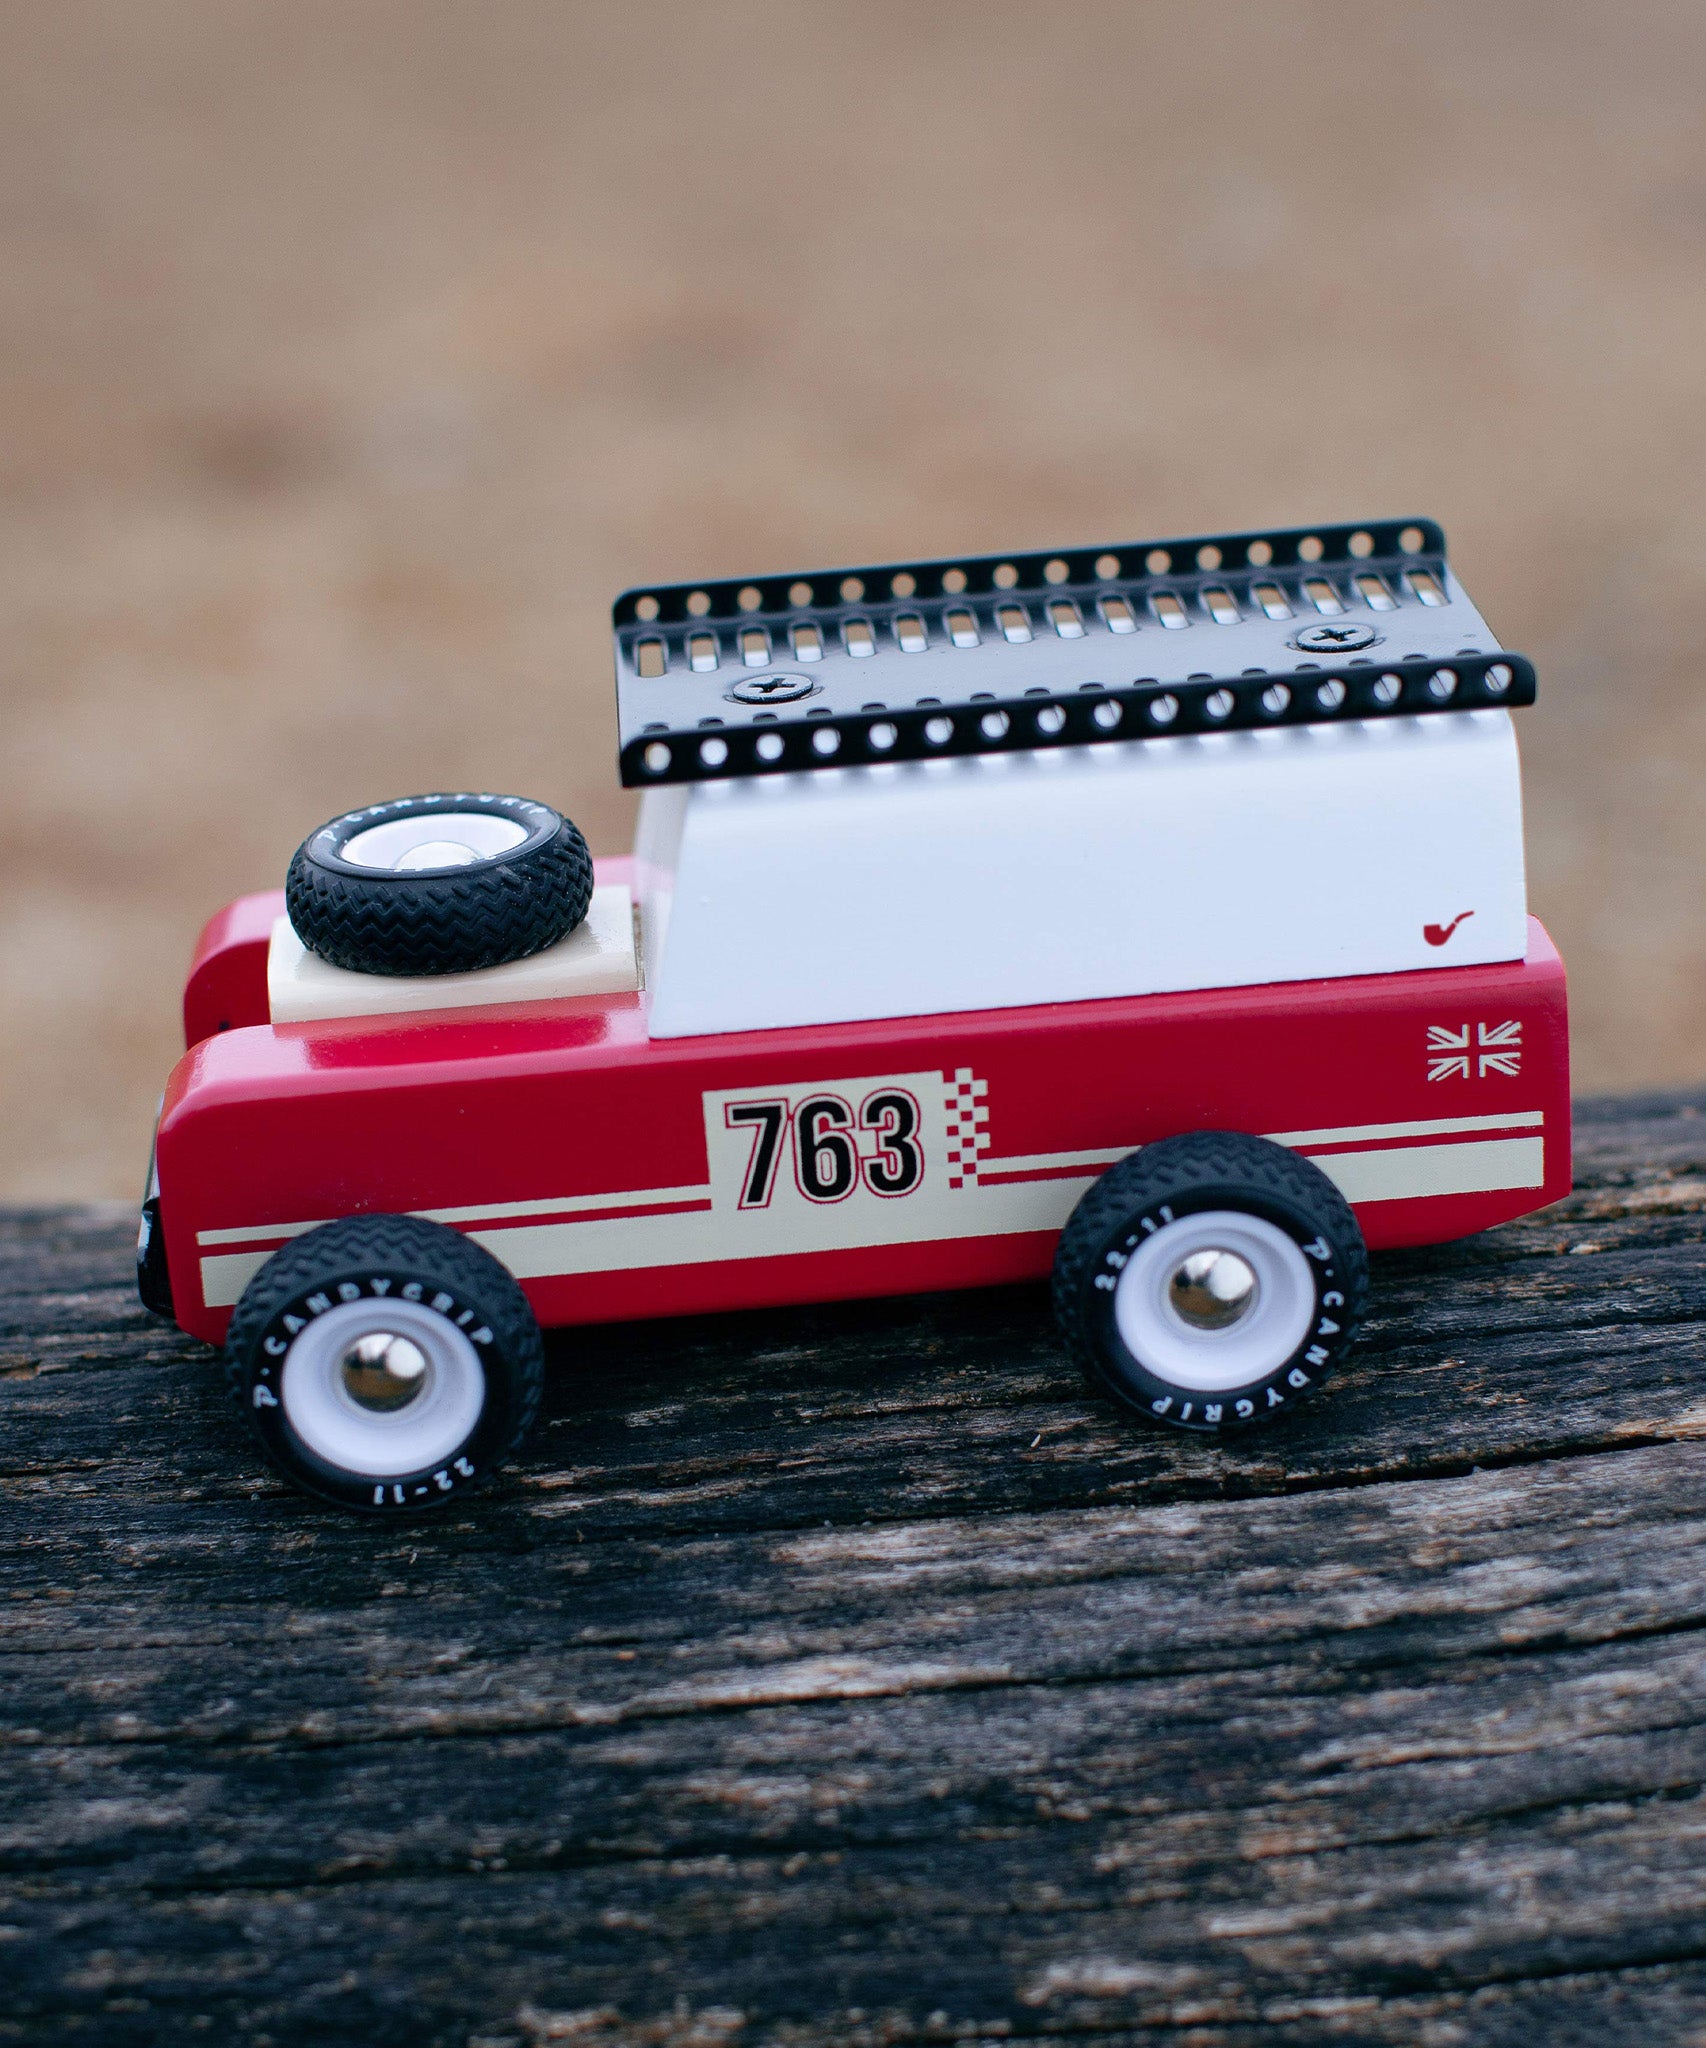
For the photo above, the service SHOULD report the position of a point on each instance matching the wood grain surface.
(850, 1675)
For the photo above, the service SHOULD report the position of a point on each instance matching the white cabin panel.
(996, 880)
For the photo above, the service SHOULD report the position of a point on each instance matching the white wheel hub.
(382, 1388)
(1214, 1301)
(439, 839)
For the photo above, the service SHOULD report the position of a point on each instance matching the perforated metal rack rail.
(914, 660)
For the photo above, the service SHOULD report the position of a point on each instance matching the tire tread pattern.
(429, 1251)
(482, 916)
(1228, 1164)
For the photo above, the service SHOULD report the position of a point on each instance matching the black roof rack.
(997, 653)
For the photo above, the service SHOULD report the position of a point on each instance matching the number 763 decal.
(828, 1146)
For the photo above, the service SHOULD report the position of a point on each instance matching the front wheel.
(385, 1363)
(1210, 1280)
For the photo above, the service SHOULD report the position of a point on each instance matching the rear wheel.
(386, 1364)
(1210, 1280)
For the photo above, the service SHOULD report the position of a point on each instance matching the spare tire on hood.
(439, 884)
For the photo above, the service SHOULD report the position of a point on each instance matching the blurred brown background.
(353, 355)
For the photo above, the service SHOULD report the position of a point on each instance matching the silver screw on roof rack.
(1343, 639)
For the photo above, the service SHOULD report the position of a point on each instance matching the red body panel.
(616, 1178)
(227, 984)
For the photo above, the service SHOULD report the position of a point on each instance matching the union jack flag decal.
(1460, 1052)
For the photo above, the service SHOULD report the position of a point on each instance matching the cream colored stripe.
(1032, 1162)
(256, 1230)
(1522, 1119)
(1402, 1172)
(563, 1205)
(1348, 1134)
(617, 1243)
(568, 1205)
(1035, 1162)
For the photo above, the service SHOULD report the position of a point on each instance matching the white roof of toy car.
(1004, 654)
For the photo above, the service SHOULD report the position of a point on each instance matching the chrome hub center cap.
(383, 1372)
(436, 853)
(1212, 1290)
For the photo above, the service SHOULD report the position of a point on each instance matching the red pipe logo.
(1437, 934)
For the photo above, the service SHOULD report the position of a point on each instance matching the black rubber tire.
(1178, 1177)
(440, 920)
(457, 1279)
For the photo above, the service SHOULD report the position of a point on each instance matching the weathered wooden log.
(851, 1675)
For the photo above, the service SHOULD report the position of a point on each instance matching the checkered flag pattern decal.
(965, 1099)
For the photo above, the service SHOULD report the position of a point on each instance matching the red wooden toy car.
(1151, 915)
